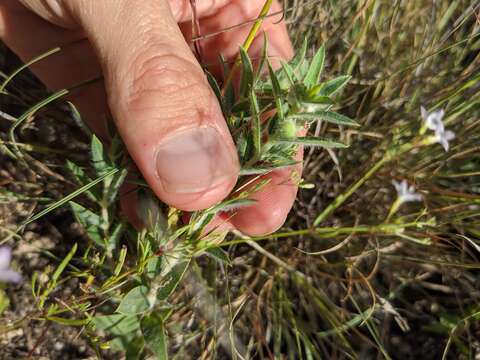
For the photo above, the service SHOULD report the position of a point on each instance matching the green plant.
(357, 267)
(132, 281)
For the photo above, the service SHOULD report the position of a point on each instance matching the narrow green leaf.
(313, 141)
(100, 159)
(246, 81)
(117, 324)
(328, 116)
(302, 70)
(172, 279)
(266, 169)
(80, 176)
(332, 86)
(78, 119)
(277, 91)
(215, 87)
(256, 124)
(91, 222)
(82, 179)
(120, 261)
(4, 301)
(26, 66)
(27, 114)
(67, 198)
(199, 223)
(263, 60)
(318, 100)
(114, 186)
(290, 76)
(220, 255)
(68, 322)
(154, 267)
(232, 204)
(114, 239)
(135, 302)
(63, 264)
(299, 57)
(242, 147)
(315, 69)
(154, 333)
(229, 98)
(33, 284)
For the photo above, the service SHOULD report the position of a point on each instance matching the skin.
(155, 90)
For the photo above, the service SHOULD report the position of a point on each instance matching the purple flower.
(7, 274)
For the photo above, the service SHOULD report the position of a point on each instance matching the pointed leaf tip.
(313, 141)
(315, 69)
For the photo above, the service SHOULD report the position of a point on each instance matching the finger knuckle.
(170, 79)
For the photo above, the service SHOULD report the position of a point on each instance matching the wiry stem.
(339, 200)
(248, 41)
(196, 32)
(389, 155)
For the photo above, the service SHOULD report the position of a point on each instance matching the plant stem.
(388, 156)
(390, 228)
(25, 66)
(339, 200)
(248, 41)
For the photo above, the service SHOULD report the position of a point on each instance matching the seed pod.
(289, 129)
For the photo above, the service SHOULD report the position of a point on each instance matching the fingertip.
(273, 204)
(202, 199)
(258, 221)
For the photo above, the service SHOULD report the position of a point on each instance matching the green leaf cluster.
(268, 114)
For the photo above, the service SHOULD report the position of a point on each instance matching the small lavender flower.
(406, 193)
(434, 121)
(444, 139)
(7, 274)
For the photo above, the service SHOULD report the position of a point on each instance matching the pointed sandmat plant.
(136, 272)
(294, 97)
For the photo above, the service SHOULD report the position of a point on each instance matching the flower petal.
(424, 113)
(5, 257)
(397, 186)
(404, 187)
(10, 276)
(444, 143)
(413, 197)
(449, 135)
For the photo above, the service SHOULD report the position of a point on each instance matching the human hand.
(156, 91)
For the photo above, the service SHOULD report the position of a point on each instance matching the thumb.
(162, 104)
